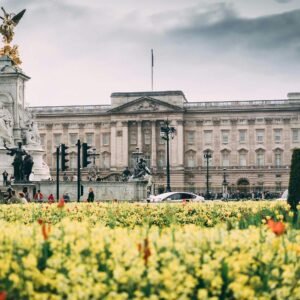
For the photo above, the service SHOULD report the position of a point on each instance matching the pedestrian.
(38, 197)
(26, 194)
(66, 197)
(5, 177)
(91, 195)
(22, 198)
(51, 198)
(13, 199)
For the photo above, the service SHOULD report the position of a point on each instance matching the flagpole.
(152, 65)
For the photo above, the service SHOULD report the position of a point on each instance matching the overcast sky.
(79, 52)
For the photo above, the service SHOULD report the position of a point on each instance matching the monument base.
(40, 168)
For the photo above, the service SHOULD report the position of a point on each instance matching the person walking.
(91, 195)
(5, 177)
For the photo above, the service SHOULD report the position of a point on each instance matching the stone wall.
(128, 191)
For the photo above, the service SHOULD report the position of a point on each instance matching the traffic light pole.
(57, 173)
(78, 171)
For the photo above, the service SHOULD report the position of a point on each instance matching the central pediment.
(146, 104)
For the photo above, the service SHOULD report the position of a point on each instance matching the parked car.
(176, 197)
(284, 196)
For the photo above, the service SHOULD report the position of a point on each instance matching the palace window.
(225, 158)
(277, 136)
(207, 137)
(73, 137)
(43, 136)
(278, 158)
(73, 161)
(242, 136)
(260, 158)
(105, 161)
(243, 158)
(278, 186)
(147, 137)
(191, 159)
(190, 137)
(105, 139)
(147, 158)
(260, 135)
(89, 137)
(295, 135)
(225, 136)
(57, 139)
(161, 161)
(133, 137)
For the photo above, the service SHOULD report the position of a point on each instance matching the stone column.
(234, 143)
(173, 149)
(153, 145)
(97, 140)
(199, 143)
(216, 142)
(251, 142)
(125, 149)
(113, 144)
(139, 135)
(180, 143)
(49, 144)
(65, 139)
(81, 131)
(268, 142)
(287, 133)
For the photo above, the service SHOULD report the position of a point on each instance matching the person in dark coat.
(91, 195)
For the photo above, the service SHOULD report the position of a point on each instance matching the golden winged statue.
(9, 22)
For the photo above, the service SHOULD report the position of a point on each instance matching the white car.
(176, 197)
(284, 196)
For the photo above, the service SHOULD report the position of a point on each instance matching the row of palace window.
(190, 137)
(243, 136)
(190, 159)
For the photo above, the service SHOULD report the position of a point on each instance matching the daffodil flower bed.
(245, 250)
(72, 260)
(240, 214)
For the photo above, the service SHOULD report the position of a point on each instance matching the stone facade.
(252, 140)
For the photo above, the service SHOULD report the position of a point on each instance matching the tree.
(294, 184)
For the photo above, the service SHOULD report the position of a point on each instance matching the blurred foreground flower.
(277, 227)
(145, 250)
(61, 203)
(3, 295)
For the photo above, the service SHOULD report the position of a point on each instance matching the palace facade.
(251, 142)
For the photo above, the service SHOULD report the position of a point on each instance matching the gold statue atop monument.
(9, 22)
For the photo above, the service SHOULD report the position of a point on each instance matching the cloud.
(222, 29)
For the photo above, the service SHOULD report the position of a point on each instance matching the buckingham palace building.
(250, 142)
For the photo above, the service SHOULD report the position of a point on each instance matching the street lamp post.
(207, 156)
(165, 132)
(225, 183)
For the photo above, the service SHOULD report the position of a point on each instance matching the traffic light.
(64, 159)
(85, 155)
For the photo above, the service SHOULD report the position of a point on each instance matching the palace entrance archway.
(243, 185)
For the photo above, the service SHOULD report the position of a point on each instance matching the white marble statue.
(6, 123)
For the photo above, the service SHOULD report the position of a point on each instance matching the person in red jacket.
(38, 197)
(51, 198)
